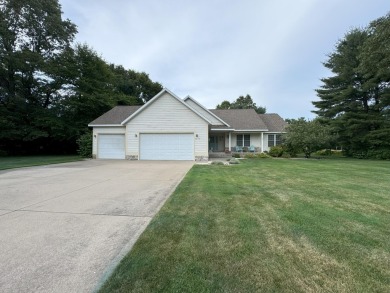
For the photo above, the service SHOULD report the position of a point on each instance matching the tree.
(136, 88)
(88, 89)
(375, 60)
(224, 105)
(308, 136)
(355, 100)
(32, 36)
(242, 103)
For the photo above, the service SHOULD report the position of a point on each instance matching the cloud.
(216, 50)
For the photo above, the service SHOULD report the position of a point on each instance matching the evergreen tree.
(355, 99)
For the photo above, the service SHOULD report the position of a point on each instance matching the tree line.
(52, 87)
(242, 102)
(353, 110)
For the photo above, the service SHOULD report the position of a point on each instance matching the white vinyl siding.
(111, 146)
(179, 146)
(167, 115)
(104, 130)
(204, 113)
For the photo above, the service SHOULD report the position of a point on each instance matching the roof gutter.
(105, 125)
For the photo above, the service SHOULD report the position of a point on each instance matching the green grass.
(271, 225)
(28, 161)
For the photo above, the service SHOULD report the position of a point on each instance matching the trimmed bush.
(236, 155)
(276, 151)
(257, 156)
(85, 145)
(234, 161)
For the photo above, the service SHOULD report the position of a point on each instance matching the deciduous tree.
(308, 136)
(242, 102)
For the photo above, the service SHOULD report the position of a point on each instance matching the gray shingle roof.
(241, 119)
(274, 122)
(238, 119)
(115, 116)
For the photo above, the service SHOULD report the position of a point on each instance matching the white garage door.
(111, 146)
(167, 146)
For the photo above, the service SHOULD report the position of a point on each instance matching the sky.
(218, 50)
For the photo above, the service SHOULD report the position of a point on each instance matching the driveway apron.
(64, 228)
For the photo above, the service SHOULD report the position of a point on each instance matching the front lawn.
(271, 225)
(28, 161)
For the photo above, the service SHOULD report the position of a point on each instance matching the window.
(274, 139)
(243, 140)
(271, 140)
(278, 139)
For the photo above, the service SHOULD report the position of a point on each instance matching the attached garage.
(167, 146)
(111, 146)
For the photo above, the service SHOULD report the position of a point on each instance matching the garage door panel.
(111, 146)
(172, 146)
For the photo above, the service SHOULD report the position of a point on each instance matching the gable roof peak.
(151, 101)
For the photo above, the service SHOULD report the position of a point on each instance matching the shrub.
(381, 154)
(234, 161)
(276, 151)
(85, 145)
(236, 155)
(257, 156)
(293, 152)
(337, 153)
(325, 152)
(262, 156)
(217, 163)
(286, 155)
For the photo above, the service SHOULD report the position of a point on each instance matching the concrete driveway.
(64, 228)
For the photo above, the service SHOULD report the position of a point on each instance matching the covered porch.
(231, 141)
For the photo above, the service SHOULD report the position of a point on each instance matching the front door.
(213, 143)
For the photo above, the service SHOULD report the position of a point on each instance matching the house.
(169, 128)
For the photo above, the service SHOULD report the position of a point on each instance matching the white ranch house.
(169, 128)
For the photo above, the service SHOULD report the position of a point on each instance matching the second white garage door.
(167, 146)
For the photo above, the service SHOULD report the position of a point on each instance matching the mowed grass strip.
(270, 225)
(28, 161)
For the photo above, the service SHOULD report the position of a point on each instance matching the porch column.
(262, 142)
(230, 141)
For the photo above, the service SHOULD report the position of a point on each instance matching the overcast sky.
(219, 50)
